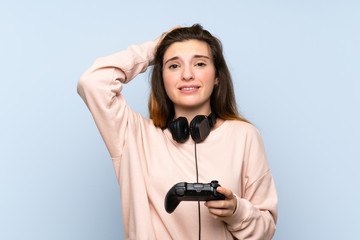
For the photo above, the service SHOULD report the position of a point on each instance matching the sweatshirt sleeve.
(100, 87)
(256, 213)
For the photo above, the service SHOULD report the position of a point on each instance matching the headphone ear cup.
(199, 128)
(179, 129)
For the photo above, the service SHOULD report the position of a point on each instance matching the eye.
(173, 66)
(200, 64)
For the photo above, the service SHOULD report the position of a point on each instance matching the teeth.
(188, 88)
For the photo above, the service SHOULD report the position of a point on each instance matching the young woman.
(190, 84)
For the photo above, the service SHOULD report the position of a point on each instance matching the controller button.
(180, 191)
(182, 184)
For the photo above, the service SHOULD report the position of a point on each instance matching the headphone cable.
(197, 181)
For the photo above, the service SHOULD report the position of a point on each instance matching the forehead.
(187, 49)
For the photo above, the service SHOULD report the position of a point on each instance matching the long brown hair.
(222, 99)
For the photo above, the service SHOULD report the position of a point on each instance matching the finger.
(176, 27)
(217, 217)
(220, 212)
(226, 192)
(217, 204)
(222, 204)
(165, 33)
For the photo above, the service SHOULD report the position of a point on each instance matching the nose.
(187, 73)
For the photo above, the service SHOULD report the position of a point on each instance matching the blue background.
(296, 71)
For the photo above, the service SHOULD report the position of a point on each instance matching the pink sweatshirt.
(148, 162)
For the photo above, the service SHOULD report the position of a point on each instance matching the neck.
(190, 114)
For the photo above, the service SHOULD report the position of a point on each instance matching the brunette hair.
(222, 99)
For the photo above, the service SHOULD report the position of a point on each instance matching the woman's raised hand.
(164, 34)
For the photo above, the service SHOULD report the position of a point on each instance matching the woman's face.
(189, 76)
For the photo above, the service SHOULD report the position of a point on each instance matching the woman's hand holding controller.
(222, 209)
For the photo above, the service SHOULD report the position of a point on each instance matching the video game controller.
(191, 192)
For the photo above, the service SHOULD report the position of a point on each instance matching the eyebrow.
(195, 56)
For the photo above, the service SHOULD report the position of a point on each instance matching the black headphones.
(199, 128)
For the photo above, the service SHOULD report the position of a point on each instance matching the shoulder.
(147, 125)
(243, 127)
(245, 132)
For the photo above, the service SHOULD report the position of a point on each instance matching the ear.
(216, 81)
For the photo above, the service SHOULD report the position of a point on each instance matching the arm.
(100, 87)
(254, 214)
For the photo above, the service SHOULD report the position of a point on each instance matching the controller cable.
(197, 181)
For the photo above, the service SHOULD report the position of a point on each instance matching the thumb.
(226, 192)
